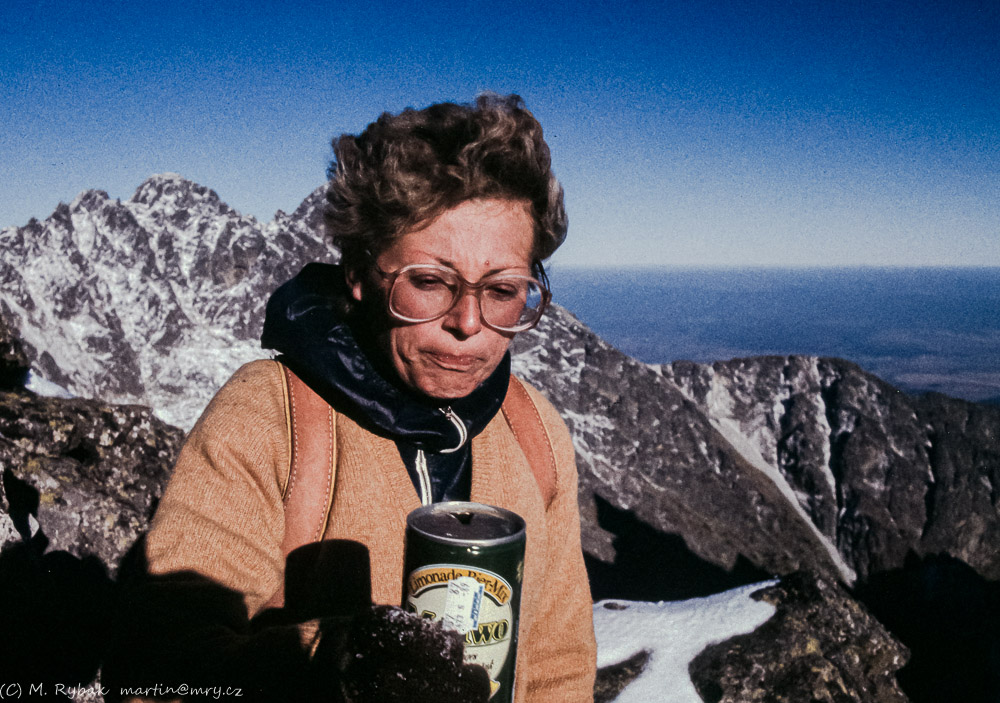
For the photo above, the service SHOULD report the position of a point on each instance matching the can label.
(474, 602)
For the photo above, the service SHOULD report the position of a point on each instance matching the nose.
(464, 318)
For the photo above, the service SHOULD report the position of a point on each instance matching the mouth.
(453, 362)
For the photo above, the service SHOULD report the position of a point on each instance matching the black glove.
(390, 656)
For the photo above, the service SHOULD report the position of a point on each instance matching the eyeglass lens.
(506, 300)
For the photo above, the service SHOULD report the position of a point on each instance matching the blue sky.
(685, 133)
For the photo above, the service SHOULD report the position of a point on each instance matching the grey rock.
(86, 473)
(880, 473)
(963, 501)
(819, 646)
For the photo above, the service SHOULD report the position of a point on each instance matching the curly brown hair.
(404, 170)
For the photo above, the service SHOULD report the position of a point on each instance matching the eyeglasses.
(508, 302)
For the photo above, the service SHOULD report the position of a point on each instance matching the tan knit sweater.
(222, 517)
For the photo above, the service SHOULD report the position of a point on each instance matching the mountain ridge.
(158, 299)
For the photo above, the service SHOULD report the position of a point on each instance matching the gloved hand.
(388, 655)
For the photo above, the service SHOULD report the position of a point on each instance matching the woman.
(443, 217)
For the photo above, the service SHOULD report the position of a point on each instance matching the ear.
(354, 283)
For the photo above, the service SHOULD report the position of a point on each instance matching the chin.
(446, 386)
(446, 390)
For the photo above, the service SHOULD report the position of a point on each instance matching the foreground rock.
(85, 473)
(819, 646)
(947, 615)
(80, 482)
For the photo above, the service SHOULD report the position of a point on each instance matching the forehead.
(475, 237)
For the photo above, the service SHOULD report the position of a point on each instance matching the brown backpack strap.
(521, 414)
(308, 492)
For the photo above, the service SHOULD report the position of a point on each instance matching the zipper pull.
(463, 432)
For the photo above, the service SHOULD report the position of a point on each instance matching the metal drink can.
(464, 565)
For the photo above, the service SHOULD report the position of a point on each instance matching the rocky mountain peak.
(310, 212)
(170, 192)
(130, 301)
(89, 201)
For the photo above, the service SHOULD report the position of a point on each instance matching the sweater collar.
(306, 322)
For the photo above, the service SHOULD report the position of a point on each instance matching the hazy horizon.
(920, 328)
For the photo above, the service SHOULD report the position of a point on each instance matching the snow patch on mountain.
(753, 434)
(673, 633)
(731, 432)
(41, 386)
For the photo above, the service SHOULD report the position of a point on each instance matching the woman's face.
(450, 356)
